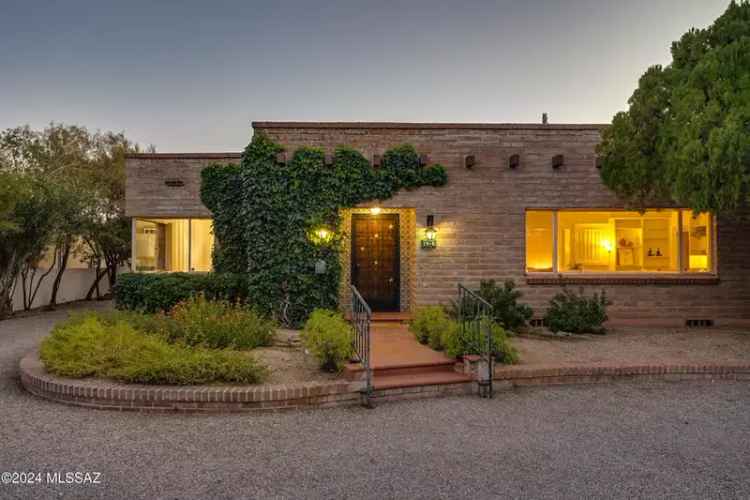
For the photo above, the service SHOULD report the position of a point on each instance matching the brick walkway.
(394, 344)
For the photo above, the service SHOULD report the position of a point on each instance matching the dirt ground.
(288, 362)
(636, 346)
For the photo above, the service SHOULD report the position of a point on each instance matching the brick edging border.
(516, 376)
(102, 394)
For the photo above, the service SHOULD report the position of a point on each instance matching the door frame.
(397, 250)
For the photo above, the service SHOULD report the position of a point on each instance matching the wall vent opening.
(699, 323)
(174, 182)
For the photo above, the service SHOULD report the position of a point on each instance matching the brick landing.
(400, 362)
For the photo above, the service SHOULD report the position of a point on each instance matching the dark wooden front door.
(375, 259)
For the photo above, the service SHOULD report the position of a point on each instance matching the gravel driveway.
(680, 440)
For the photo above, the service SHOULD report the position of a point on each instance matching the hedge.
(162, 291)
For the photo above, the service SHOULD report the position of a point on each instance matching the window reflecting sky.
(192, 75)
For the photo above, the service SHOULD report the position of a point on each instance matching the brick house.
(523, 202)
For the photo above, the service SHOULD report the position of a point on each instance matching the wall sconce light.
(281, 157)
(321, 235)
(598, 162)
(558, 161)
(514, 161)
(376, 160)
(430, 233)
(470, 161)
(424, 160)
(375, 210)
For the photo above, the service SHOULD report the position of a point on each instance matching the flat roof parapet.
(401, 125)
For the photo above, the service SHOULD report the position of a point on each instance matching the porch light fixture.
(514, 161)
(321, 235)
(598, 162)
(375, 210)
(430, 234)
(470, 161)
(558, 161)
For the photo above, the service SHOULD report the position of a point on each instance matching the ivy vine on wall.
(267, 216)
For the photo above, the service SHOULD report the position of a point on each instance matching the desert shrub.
(575, 313)
(162, 291)
(158, 323)
(218, 324)
(458, 342)
(329, 338)
(506, 310)
(86, 346)
(430, 325)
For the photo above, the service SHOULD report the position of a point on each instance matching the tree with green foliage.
(686, 135)
(26, 230)
(266, 213)
(76, 181)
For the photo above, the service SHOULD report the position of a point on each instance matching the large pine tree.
(686, 135)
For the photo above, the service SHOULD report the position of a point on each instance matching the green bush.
(158, 323)
(576, 313)
(430, 325)
(162, 291)
(329, 337)
(218, 324)
(86, 346)
(458, 343)
(506, 310)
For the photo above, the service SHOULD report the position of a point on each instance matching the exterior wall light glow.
(430, 233)
(321, 235)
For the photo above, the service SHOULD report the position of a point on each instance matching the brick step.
(414, 368)
(386, 317)
(353, 371)
(419, 379)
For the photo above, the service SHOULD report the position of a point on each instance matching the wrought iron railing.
(361, 319)
(474, 321)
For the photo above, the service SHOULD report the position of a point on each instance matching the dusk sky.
(190, 76)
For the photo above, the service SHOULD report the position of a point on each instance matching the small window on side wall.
(173, 245)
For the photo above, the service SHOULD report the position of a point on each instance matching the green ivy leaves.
(265, 210)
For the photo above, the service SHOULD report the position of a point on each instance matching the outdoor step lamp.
(430, 234)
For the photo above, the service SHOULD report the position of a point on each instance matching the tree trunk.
(112, 263)
(62, 255)
(6, 301)
(8, 280)
(28, 272)
(100, 272)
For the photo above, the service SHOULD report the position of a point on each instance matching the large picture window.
(173, 245)
(597, 241)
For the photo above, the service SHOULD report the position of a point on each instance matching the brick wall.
(148, 195)
(480, 213)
